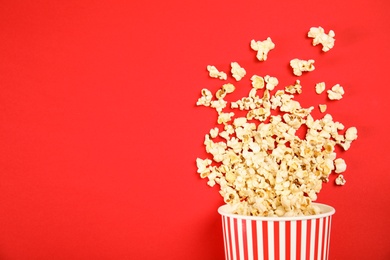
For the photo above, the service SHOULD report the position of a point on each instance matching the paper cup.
(274, 238)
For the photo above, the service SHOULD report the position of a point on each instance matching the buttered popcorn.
(260, 162)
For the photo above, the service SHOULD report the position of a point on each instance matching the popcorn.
(206, 98)
(322, 107)
(300, 66)
(340, 180)
(228, 88)
(225, 117)
(320, 37)
(262, 48)
(257, 82)
(320, 87)
(262, 166)
(271, 82)
(225, 89)
(203, 167)
(340, 165)
(237, 71)
(336, 93)
(296, 88)
(214, 132)
(351, 134)
(214, 73)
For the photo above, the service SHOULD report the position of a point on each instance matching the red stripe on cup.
(328, 242)
(265, 239)
(254, 239)
(245, 238)
(299, 239)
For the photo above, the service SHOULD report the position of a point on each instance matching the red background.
(99, 131)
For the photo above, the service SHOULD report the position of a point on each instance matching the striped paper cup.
(274, 238)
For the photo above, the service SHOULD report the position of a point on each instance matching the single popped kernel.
(320, 37)
(340, 180)
(300, 66)
(214, 132)
(351, 134)
(237, 71)
(228, 88)
(262, 48)
(340, 165)
(322, 107)
(294, 89)
(271, 82)
(336, 93)
(215, 73)
(205, 99)
(320, 87)
(257, 82)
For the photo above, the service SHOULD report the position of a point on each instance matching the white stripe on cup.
(303, 240)
(282, 240)
(312, 238)
(240, 239)
(293, 239)
(227, 237)
(326, 238)
(320, 242)
(233, 239)
(271, 246)
(249, 239)
(260, 248)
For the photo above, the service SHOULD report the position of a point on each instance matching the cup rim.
(326, 210)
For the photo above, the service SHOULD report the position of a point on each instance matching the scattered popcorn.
(225, 117)
(203, 167)
(320, 37)
(218, 104)
(206, 98)
(214, 73)
(296, 88)
(340, 165)
(214, 132)
(340, 180)
(351, 134)
(262, 48)
(336, 93)
(237, 71)
(263, 168)
(257, 82)
(300, 66)
(228, 88)
(271, 82)
(323, 107)
(320, 87)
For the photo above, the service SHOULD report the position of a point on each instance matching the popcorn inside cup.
(261, 164)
